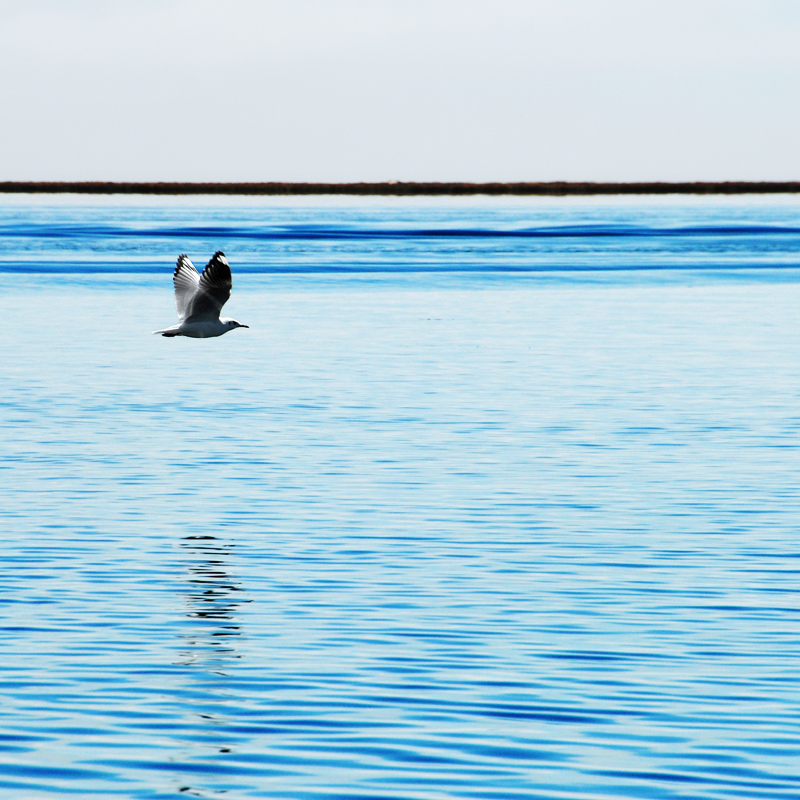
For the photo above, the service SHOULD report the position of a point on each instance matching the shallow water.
(462, 514)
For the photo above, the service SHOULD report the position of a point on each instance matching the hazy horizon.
(350, 91)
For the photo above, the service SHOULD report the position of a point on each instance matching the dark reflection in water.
(212, 599)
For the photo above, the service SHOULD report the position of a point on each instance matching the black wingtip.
(178, 262)
(218, 262)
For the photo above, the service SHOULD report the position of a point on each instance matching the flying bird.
(199, 298)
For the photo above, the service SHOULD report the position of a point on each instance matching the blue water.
(493, 500)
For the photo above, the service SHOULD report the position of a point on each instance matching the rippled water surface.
(492, 500)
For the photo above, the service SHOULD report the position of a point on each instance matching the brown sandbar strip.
(553, 188)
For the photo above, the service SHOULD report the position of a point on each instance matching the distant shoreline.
(401, 188)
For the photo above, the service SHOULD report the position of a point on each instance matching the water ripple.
(415, 536)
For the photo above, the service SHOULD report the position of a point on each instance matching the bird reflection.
(212, 600)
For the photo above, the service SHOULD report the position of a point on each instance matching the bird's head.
(232, 323)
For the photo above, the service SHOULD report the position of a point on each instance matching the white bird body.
(202, 330)
(199, 299)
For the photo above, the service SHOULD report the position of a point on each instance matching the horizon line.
(401, 188)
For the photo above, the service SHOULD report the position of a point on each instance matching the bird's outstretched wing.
(213, 290)
(186, 279)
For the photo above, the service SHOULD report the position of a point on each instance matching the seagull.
(199, 298)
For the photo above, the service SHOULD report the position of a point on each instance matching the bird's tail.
(168, 331)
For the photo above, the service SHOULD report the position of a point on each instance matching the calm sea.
(493, 500)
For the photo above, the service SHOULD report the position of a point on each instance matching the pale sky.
(351, 90)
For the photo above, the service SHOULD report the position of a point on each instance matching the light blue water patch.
(414, 534)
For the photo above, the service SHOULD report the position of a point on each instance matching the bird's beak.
(244, 326)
